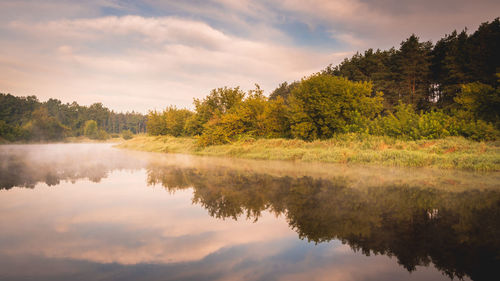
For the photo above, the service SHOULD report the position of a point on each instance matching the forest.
(28, 119)
(419, 91)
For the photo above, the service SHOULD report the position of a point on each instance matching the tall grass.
(450, 153)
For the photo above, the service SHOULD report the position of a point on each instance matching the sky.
(145, 55)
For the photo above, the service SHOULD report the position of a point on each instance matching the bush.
(90, 129)
(101, 135)
(406, 124)
(127, 134)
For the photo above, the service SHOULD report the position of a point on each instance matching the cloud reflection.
(237, 219)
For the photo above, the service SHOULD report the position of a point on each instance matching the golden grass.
(449, 153)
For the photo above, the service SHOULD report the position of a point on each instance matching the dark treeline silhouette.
(426, 75)
(26, 118)
(419, 91)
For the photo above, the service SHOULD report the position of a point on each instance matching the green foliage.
(127, 134)
(253, 116)
(90, 129)
(44, 127)
(406, 124)
(276, 118)
(413, 61)
(17, 110)
(481, 101)
(283, 91)
(323, 105)
(102, 135)
(428, 76)
(9, 132)
(156, 124)
(171, 121)
(463, 124)
(26, 118)
(220, 101)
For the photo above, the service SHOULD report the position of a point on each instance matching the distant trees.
(26, 118)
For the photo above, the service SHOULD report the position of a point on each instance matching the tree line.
(28, 119)
(419, 91)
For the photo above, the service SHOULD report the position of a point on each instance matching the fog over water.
(94, 212)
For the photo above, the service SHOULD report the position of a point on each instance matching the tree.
(171, 121)
(217, 103)
(44, 127)
(323, 105)
(283, 91)
(413, 60)
(90, 129)
(480, 100)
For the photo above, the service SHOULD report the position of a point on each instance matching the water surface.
(93, 212)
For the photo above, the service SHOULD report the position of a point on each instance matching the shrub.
(90, 129)
(127, 134)
(101, 135)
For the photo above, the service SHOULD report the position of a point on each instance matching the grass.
(448, 153)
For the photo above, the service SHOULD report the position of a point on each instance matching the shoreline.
(449, 153)
(67, 140)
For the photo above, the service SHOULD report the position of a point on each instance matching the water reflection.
(27, 165)
(458, 232)
(445, 218)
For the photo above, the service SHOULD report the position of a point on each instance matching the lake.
(94, 212)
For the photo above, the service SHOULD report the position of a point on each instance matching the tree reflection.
(29, 165)
(456, 231)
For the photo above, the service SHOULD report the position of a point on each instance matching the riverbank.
(449, 153)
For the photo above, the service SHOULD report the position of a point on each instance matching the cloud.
(168, 60)
(117, 226)
(148, 54)
(383, 24)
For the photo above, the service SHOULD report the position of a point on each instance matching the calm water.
(93, 212)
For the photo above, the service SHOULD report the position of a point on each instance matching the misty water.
(94, 212)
